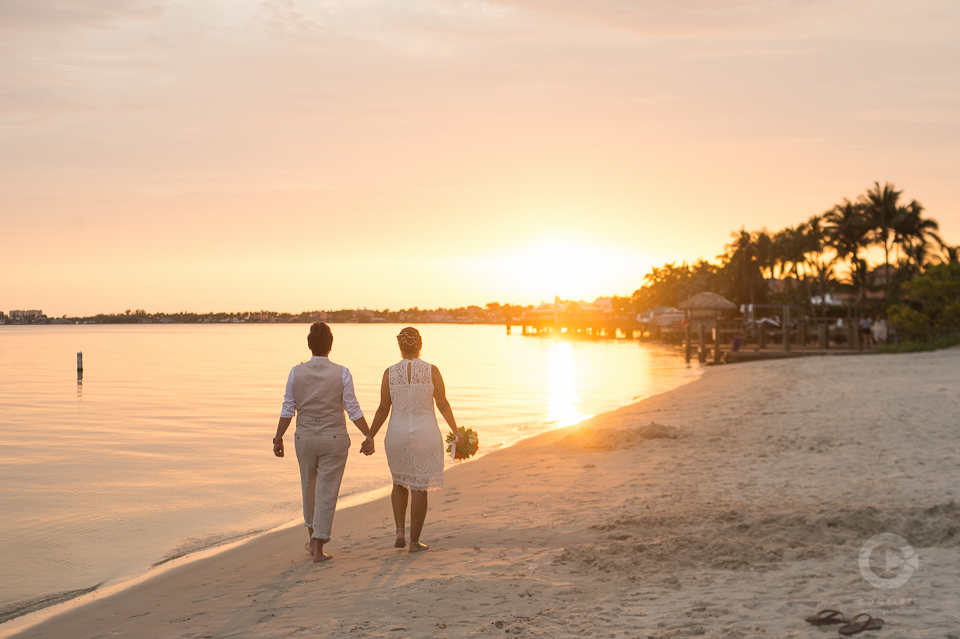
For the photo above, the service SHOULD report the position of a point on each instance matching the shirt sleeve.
(350, 403)
(289, 402)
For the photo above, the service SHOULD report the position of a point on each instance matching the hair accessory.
(409, 338)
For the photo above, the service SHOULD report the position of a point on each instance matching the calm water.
(166, 446)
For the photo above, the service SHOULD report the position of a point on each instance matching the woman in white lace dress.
(413, 441)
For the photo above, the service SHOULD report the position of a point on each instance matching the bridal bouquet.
(466, 447)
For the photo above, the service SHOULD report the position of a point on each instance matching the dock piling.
(786, 329)
(857, 341)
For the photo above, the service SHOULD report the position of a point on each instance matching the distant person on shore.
(865, 325)
(737, 343)
(318, 391)
(413, 441)
(879, 330)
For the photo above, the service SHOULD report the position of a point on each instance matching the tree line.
(817, 260)
(492, 312)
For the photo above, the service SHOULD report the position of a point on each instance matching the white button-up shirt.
(350, 403)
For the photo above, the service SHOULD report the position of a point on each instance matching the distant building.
(706, 309)
(31, 315)
(883, 275)
(784, 285)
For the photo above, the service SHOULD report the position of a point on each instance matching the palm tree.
(742, 260)
(848, 229)
(882, 209)
(815, 243)
(951, 254)
(791, 249)
(911, 232)
(767, 257)
(918, 256)
(859, 274)
(778, 253)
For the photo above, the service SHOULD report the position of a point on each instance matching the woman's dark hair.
(320, 339)
(410, 341)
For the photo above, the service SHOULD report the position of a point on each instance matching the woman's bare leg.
(399, 500)
(418, 513)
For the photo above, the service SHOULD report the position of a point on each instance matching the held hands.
(367, 447)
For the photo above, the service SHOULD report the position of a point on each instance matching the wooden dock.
(581, 325)
(707, 345)
(715, 347)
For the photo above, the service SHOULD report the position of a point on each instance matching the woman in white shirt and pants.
(318, 391)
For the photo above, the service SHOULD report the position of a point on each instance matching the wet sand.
(731, 507)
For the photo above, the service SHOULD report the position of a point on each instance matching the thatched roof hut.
(707, 302)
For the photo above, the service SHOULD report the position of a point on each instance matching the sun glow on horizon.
(566, 267)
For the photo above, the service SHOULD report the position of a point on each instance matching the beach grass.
(919, 347)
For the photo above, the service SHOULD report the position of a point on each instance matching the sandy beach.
(731, 507)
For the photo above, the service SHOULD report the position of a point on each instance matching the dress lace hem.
(418, 482)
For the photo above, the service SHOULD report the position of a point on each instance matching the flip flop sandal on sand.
(825, 617)
(855, 627)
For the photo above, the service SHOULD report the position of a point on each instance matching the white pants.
(322, 459)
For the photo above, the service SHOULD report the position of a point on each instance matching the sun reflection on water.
(564, 400)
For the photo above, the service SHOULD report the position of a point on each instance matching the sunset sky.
(292, 155)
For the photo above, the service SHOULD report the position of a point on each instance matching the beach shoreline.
(732, 506)
(34, 611)
(41, 607)
(130, 463)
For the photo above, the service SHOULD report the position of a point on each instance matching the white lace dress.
(413, 442)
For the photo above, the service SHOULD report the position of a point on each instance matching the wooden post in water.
(716, 345)
(702, 353)
(786, 329)
(688, 343)
(79, 366)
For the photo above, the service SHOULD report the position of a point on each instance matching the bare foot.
(318, 554)
(308, 547)
(401, 539)
(416, 546)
